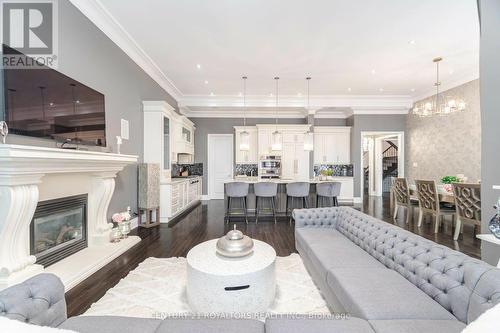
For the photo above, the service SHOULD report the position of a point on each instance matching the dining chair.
(428, 198)
(402, 198)
(467, 205)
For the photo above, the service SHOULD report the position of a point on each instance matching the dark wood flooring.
(206, 221)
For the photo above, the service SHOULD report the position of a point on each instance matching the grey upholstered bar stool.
(236, 190)
(265, 190)
(297, 190)
(328, 191)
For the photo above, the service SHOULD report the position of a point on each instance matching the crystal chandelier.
(309, 136)
(244, 136)
(276, 145)
(441, 105)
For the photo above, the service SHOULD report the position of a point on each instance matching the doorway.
(220, 163)
(382, 160)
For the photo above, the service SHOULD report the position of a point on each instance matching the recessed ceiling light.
(451, 71)
(240, 94)
(77, 101)
(206, 82)
(212, 94)
(51, 104)
(373, 72)
(412, 89)
(381, 89)
(411, 42)
(271, 95)
(349, 89)
(198, 66)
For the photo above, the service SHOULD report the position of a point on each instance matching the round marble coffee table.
(216, 284)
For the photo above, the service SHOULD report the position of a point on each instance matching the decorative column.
(103, 186)
(18, 201)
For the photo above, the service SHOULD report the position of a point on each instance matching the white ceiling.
(338, 43)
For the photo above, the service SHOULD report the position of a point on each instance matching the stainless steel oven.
(270, 166)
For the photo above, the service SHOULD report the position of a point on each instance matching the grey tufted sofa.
(394, 279)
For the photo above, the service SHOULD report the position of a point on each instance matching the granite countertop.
(252, 180)
(179, 180)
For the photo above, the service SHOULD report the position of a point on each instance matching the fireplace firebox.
(58, 229)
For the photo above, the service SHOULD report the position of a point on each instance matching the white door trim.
(401, 154)
(209, 163)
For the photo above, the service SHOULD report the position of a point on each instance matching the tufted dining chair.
(428, 198)
(402, 198)
(467, 205)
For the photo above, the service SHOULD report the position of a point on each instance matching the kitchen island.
(346, 192)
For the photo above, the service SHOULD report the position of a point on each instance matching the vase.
(124, 228)
(115, 235)
(494, 225)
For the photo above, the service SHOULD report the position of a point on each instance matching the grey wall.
(360, 123)
(438, 145)
(87, 55)
(330, 122)
(490, 118)
(205, 126)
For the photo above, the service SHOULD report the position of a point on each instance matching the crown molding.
(102, 18)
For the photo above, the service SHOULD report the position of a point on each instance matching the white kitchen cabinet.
(178, 195)
(346, 189)
(332, 145)
(247, 156)
(265, 142)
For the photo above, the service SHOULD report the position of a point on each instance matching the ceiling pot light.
(198, 66)
(277, 138)
(309, 135)
(206, 82)
(244, 136)
(440, 105)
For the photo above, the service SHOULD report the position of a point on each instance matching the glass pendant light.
(244, 136)
(309, 136)
(276, 145)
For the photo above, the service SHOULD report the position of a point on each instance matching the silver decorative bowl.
(234, 244)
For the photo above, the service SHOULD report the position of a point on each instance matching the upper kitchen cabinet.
(163, 136)
(250, 155)
(332, 145)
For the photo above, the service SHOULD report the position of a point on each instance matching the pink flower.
(117, 218)
(448, 187)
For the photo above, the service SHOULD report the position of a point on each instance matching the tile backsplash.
(246, 170)
(194, 169)
(339, 170)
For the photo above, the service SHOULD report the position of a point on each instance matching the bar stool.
(329, 191)
(236, 190)
(265, 191)
(297, 190)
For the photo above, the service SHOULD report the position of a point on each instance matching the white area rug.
(156, 288)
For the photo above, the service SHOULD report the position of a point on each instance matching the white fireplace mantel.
(25, 172)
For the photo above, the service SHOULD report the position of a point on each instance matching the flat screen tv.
(44, 103)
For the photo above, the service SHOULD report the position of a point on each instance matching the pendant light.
(276, 145)
(309, 136)
(244, 136)
(441, 105)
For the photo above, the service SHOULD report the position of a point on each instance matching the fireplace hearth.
(58, 229)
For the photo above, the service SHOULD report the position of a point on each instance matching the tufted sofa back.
(38, 300)
(463, 285)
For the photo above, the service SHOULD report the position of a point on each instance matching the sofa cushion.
(301, 325)
(111, 324)
(373, 293)
(417, 326)
(210, 326)
(308, 236)
(340, 253)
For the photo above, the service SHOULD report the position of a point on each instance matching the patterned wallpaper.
(446, 145)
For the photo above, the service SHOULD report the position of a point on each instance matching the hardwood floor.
(206, 221)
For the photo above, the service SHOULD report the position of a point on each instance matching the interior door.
(220, 163)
